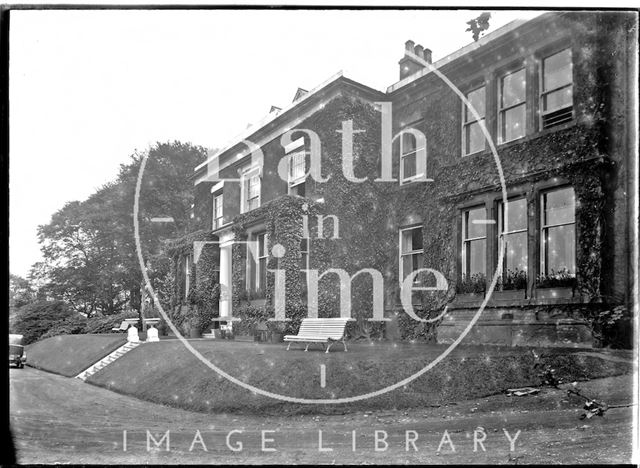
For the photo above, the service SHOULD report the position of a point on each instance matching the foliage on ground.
(69, 355)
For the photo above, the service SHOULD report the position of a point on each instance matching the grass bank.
(69, 355)
(169, 374)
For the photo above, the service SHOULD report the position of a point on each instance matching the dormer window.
(557, 89)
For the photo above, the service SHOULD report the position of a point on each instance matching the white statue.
(132, 334)
(152, 334)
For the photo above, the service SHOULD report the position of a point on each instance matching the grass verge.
(69, 355)
(167, 373)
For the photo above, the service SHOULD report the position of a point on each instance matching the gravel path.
(61, 420)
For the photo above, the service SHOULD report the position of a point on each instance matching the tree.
(34, 320)
(89, 246)
(478, 25)
(20, 292)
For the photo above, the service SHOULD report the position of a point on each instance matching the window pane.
(409, 166)
(411, 240)
(263, 274)
(416, 239)
(474, 138)
(515, 254)
(476, 257)
(416, 263)
(515, 217)
(559, 206)
(513, 123)
(408, 143)
(558, 99)
(560, 249)
(411, 263)
(477, 100)
(557, 70)
(513, 88)
(297, 165)
(475, 230)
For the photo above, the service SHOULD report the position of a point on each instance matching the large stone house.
(557, 97)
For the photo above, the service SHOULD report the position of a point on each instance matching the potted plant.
(471, 288)
(512, 285)
(276, 331)
(556, 285)
(194, 327)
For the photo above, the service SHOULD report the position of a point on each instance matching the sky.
(89, 88)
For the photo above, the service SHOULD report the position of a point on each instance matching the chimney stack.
(410, 65)
(427, 55)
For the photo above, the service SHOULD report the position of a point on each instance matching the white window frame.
(502, 110)
(544, 93)
(245, 177)
(403, 155)
(187, 275)
(411, 253)
(467, 240)
(218, 205)
(253, 260)
(295, 153)
(306, 264)
(466, 112)
(544, 227)
(502, 233)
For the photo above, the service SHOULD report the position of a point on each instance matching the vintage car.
(17, 355)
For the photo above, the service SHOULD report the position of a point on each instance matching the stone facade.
(556, 96)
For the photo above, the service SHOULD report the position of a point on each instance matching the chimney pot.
(427, 55)
(418, 50)
(409, 45)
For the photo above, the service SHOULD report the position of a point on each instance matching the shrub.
(74, 325)
(34, 320)
(250, 317)
(472, 284)
(514, 279)
(556, 279)
(104, 324)
(604, 324)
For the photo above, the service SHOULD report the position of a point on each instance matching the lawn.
(167, 373)
(69, 355)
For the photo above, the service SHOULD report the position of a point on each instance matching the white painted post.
(132, 335)
(152, 334)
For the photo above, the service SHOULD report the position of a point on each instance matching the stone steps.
(105, 361)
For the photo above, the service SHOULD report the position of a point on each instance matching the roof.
(492, 36)
(285, 114)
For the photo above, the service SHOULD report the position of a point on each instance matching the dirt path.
(60, 420)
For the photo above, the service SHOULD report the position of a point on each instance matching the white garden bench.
(124, 326)
(320, 330)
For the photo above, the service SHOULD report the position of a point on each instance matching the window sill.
(467, 301)
(519, 141)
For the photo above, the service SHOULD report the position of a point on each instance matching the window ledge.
(476, 302)
(508, 144)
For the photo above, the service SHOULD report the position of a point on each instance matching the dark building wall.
(590, 153)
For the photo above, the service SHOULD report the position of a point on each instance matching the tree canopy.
(90, 259)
